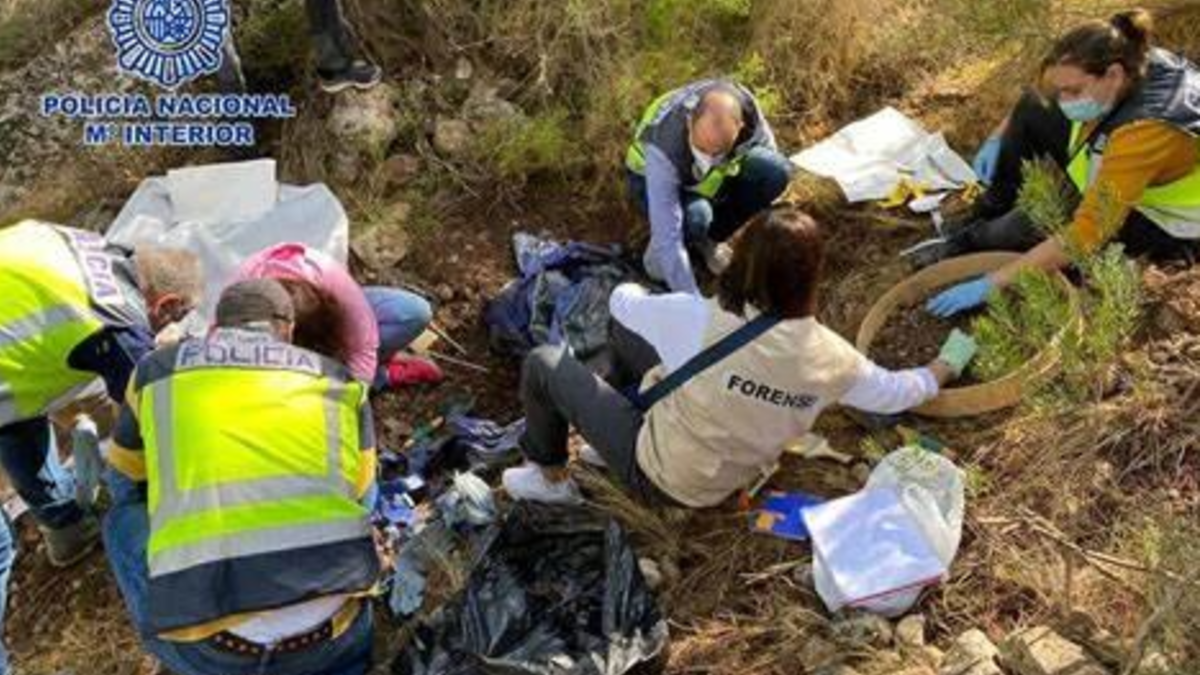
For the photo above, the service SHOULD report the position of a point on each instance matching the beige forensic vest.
(718, 432)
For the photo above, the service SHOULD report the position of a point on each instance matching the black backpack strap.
(715, 353)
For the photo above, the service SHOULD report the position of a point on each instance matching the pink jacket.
(297, 261)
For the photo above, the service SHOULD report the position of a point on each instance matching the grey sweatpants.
(558, 393)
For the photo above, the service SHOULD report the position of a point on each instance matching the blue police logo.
(169, 42)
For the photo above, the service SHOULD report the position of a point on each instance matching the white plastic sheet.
(870, 157)
(879, 548)
(225, 213)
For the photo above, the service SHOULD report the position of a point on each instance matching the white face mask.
(704, 162)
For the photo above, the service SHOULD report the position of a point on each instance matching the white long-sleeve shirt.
(675, 324)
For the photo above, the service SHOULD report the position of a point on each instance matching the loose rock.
(1041, 651)
(863, 629)
(385, 245)
(484, 106)
(972, 654)
(451, 137)
(365, 120)
(399, 170)
(910, 632)
(651, 573)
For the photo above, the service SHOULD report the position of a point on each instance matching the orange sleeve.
(1139, 155)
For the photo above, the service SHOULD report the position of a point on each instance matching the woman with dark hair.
(365, 328)
(1123, 121)
(727, 423)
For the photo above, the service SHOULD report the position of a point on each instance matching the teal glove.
(957, 351)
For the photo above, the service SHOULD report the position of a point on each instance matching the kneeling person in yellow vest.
(1123, 122)
(238, 535)
(74, 309)
(703, 162)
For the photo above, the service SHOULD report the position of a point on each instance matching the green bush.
(34, 25)
(520, 148)
(1020, 323)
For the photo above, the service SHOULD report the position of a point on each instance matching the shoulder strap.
(715, 353)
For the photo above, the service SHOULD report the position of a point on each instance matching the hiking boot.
(359, 74)
(930, 252)
(590, 456)
(68, 545)
(529, 483)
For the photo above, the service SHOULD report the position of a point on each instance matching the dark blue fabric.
(29, 456)
(8, 553)
(561, 297)
(112, 354)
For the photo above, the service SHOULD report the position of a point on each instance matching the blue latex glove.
(985, 160)
(962, 297)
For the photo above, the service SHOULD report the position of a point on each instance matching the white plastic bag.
(931, 490)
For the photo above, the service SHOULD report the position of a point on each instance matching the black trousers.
(1037, 130)
(331, 35)
(560, 392)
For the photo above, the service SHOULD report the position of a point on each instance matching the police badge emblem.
(169, 42)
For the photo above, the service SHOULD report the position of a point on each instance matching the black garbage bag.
(557, 591)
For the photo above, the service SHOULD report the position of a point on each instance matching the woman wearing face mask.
(1124, 123)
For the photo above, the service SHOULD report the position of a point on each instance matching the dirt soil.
(913, 337)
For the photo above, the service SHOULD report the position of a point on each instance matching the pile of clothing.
(432, 497)
(560, 297)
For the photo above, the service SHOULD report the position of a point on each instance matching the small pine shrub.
(1046, 197)
(1020, 323)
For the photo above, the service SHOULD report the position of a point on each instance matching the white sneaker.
(528, 483)
(588, 455)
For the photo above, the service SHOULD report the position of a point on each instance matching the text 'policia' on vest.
(59, 287)
(1170, 93)
(665, 126)
(253, 459)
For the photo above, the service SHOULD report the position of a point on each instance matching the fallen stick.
(437, 356)
(441, 333)
(1037, 525)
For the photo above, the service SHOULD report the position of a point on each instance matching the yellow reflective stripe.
(187, 542)
(712, 183)
(179, 502)
(366, 472)
(1181, 193)
(130, 463)
(44, 314)
(635, 157)
(201, 516)
(36, 370)
(33, 325)
(8, 404)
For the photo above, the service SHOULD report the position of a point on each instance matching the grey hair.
(169, 271)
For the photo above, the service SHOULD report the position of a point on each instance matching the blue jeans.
(8, 553)
(401, 316)
(126, 534)
(29, 456)
(764, 176)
